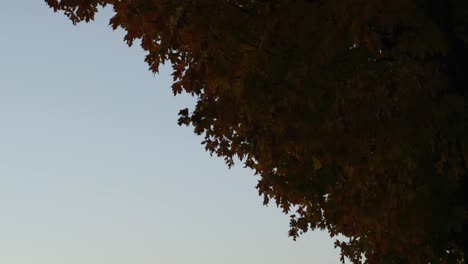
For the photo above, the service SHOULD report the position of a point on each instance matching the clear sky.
(94, 168)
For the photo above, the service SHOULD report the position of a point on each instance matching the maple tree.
(353, 113)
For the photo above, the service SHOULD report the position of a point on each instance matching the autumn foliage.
(353, 113)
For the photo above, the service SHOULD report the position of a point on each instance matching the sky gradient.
(94, 168)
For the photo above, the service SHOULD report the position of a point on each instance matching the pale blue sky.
(94, 168)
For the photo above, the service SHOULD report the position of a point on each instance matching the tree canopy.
(353, 113)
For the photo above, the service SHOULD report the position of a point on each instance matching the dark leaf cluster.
(353, 113)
